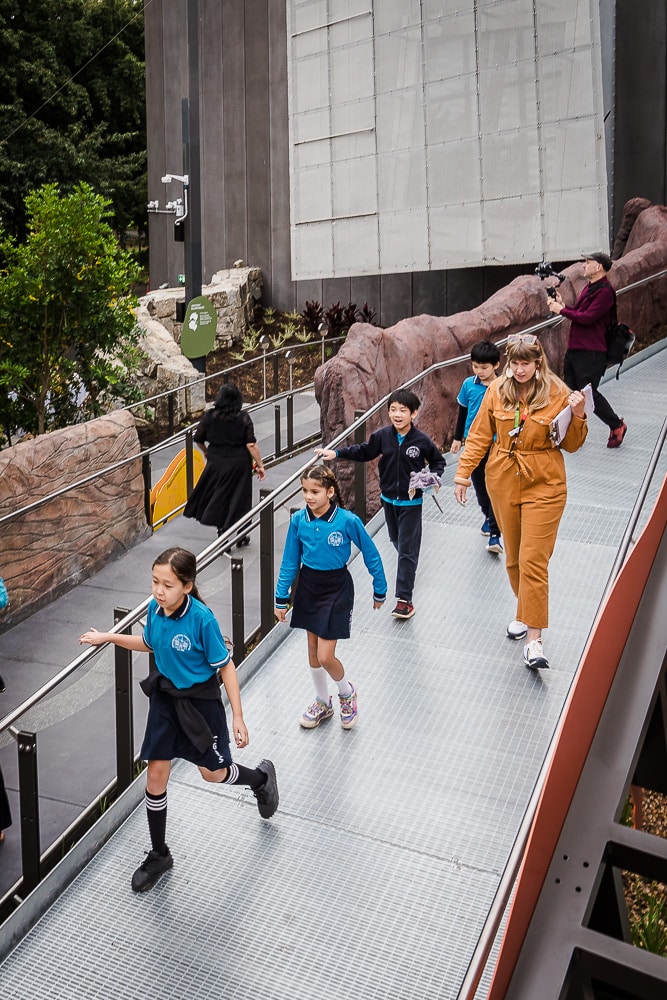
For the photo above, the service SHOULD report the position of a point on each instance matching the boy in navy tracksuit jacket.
(402, 449)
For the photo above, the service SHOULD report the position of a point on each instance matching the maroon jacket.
(590, 317)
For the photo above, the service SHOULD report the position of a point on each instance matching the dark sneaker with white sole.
(517, 630)
(494, 544)
(403, 609)
(533, 655)
(151, 870)
(267, 796)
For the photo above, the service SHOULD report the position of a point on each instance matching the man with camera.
(586, 354)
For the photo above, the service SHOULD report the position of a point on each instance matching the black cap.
(602, 258)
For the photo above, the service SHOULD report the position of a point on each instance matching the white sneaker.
(533, 655)
(517, 630)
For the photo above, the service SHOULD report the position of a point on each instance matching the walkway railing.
(270, 362)
(494, 918)
(261, 517)
(284, 430)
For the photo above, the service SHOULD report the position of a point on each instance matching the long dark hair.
(229, 402)
(322, 474)
(183, 564)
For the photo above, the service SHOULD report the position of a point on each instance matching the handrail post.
(124, 717)
(29, 806)
(275, 374)
(266, 566)
(360, 472)
(170, 412)
(238, 612)
(276, 429)
(290, 422)
(189, 463)
(146, 474)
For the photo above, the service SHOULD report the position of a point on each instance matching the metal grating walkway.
(374, 878)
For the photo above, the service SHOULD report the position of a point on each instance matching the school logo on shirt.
(335, 538)
(181, 643)
(412, 451)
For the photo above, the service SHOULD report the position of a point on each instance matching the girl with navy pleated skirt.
(186, 717)
(318, 547)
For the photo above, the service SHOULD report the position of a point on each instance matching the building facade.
(412, 154)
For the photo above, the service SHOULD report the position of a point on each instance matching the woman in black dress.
(226, 435)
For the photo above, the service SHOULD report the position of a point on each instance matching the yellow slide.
(169, 493)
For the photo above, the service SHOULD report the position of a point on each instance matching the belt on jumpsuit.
(517, 457)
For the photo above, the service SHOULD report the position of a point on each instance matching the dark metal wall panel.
(282, 288)
(156, 127)
(464, 288)
(234, 189)
(258, 151)
(640, 151)
(308, 291)
(395, 298)
(365, 290)
(166, 73)
(335, 290)
(428, 293)
(214, 244)
(245, 151)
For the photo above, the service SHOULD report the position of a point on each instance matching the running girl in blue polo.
(186, 717)
(318, 547)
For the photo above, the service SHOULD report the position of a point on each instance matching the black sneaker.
(403, 609)
(267, 796)
(153, 867)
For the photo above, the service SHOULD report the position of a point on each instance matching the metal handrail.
(303, 346)
(234, 368)
(175, 438)
(217, 547)
(502, 895)
(153, 450)
(246, 523)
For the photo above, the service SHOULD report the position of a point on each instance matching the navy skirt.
(323, 602)
(164, 738)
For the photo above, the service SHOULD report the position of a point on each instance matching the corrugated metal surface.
(375, 876)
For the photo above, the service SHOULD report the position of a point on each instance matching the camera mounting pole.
(192, 166)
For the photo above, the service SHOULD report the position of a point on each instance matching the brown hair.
(322, 474)
(183, 564)
(540, 386)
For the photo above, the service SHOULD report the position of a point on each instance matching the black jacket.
(397, 461)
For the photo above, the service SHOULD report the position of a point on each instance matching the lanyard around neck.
(520, 416)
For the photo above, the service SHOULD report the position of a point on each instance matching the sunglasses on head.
(521, 338)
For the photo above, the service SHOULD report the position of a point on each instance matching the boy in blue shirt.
(402, 449)
(485, 359)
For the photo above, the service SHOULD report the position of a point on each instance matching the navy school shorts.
(164, 738)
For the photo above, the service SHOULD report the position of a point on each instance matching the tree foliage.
(72, 104)
(69, 334)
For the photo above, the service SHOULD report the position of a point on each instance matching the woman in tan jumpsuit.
(525, 474)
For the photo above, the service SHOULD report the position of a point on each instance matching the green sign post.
(198, 336)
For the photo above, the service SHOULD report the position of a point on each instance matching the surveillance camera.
(167, 179)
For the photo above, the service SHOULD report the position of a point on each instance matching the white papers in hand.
(560, 424)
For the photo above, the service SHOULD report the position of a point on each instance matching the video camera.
(546, 270)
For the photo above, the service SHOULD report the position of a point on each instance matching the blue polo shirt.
(471, 395)
(188, 645)
(326, 543)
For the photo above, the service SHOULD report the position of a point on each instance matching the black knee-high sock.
(237, 774)
(156, 813)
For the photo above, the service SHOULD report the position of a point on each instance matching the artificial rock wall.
(54, 547)
(373, 361)
(234, 293)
